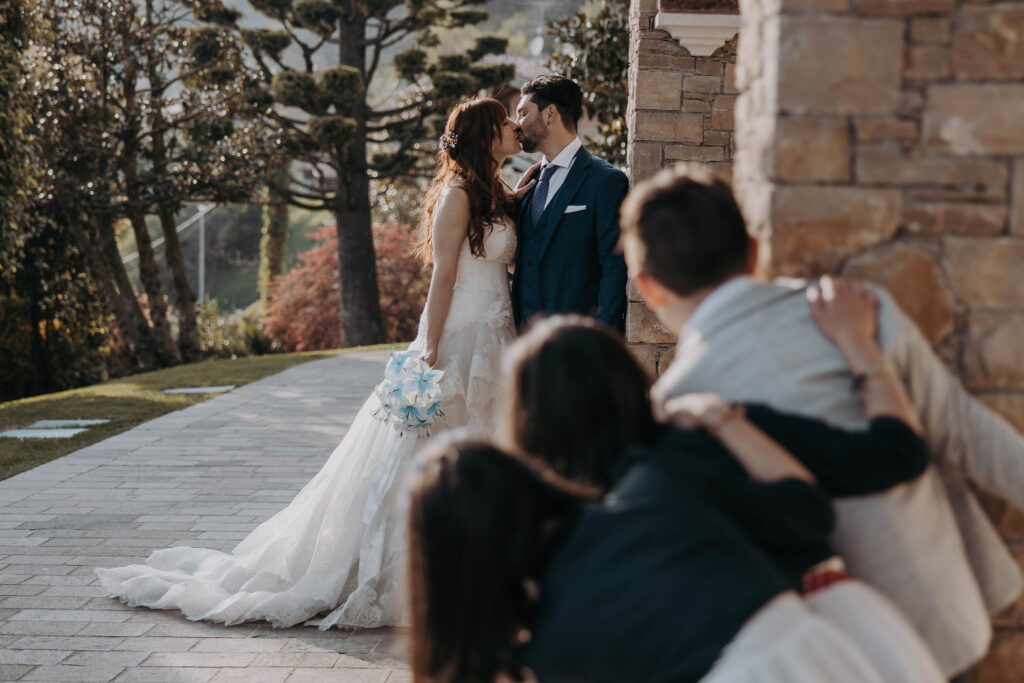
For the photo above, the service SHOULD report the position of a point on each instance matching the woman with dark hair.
(725, 450)
(653, 581)
(339, 546)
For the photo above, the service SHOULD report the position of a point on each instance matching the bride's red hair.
(466, 160)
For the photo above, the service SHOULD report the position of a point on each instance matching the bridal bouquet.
(410, 394)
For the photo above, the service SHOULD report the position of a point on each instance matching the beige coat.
(925, 544)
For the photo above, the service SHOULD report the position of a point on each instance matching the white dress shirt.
(563, 160)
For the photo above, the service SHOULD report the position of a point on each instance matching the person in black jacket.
(577, 400)
(518, 574)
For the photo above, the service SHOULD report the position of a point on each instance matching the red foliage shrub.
(303, 312)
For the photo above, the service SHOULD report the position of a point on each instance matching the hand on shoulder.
(846, 312)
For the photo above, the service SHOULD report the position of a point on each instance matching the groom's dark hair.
(691, 230)
(559, 91)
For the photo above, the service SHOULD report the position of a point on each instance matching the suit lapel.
(552, 216)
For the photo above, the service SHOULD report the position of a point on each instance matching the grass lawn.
(128, 402)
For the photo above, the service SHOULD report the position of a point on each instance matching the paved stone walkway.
(204, 476)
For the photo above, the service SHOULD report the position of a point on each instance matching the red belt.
(823, 575)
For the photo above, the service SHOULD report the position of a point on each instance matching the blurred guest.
(577, 399)
(652, 584)
(927, 545)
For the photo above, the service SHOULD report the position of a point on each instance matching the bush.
(304, 309)
(237, 335)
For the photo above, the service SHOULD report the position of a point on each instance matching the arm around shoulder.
(960, 431)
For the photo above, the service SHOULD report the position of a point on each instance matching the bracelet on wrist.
(861, 376)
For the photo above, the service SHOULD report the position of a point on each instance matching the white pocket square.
(573, 208)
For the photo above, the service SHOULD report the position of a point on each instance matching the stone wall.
(884, 139)
(680, 109)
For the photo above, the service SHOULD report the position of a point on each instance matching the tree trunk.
(149, 273)
(120, 301)
(185, 297)
(360, 296)
(273, 240)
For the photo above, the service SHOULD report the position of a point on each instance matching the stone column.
(680, 109)
(884, 139)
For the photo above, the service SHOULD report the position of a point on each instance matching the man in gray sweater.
(926, 544)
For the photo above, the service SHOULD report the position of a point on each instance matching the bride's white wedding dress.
(340, 544)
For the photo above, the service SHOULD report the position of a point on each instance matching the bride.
(340, 544)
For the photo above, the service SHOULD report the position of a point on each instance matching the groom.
(568, 224)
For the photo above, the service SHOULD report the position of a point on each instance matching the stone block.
(960, 194)
(1002, 663)
(989, 42)
(646, 355)
(632, 293)
(889, 165)
(694, 153)
(994, 350)
(722, 112)
(915, 280)
(1017, 199)
(707, 67)
(954, 218)
(717, 138)
(696, 106)
(643, 326)
(808, 149)
(730, 86)
(839, 65)
(702, 84)
(911, 104)
(975, 119)
(665, 60)
(927, 63)
(665, 359)
(930, 30)
(658, 90)
(772, 7)
(904, 7)
(669, 127)
(884, 130)
(813, 229)
(644, 160)
(986, 271)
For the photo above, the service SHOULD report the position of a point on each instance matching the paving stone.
(53, 674)
(166, 674)
(345, 675)
(201, 659)
(12, 672)
(42, 628)
(252, 673)
(33, 657)
(94, 658)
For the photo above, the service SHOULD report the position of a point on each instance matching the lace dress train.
(340, 544)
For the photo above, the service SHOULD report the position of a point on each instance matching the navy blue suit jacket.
(581, 269)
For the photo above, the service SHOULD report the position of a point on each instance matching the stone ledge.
(701, 33)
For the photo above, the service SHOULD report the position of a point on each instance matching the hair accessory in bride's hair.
(410, 394)
(449, 140)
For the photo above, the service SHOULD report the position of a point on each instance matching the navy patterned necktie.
(540, 193)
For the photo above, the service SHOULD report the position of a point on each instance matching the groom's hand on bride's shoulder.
(527, 180)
